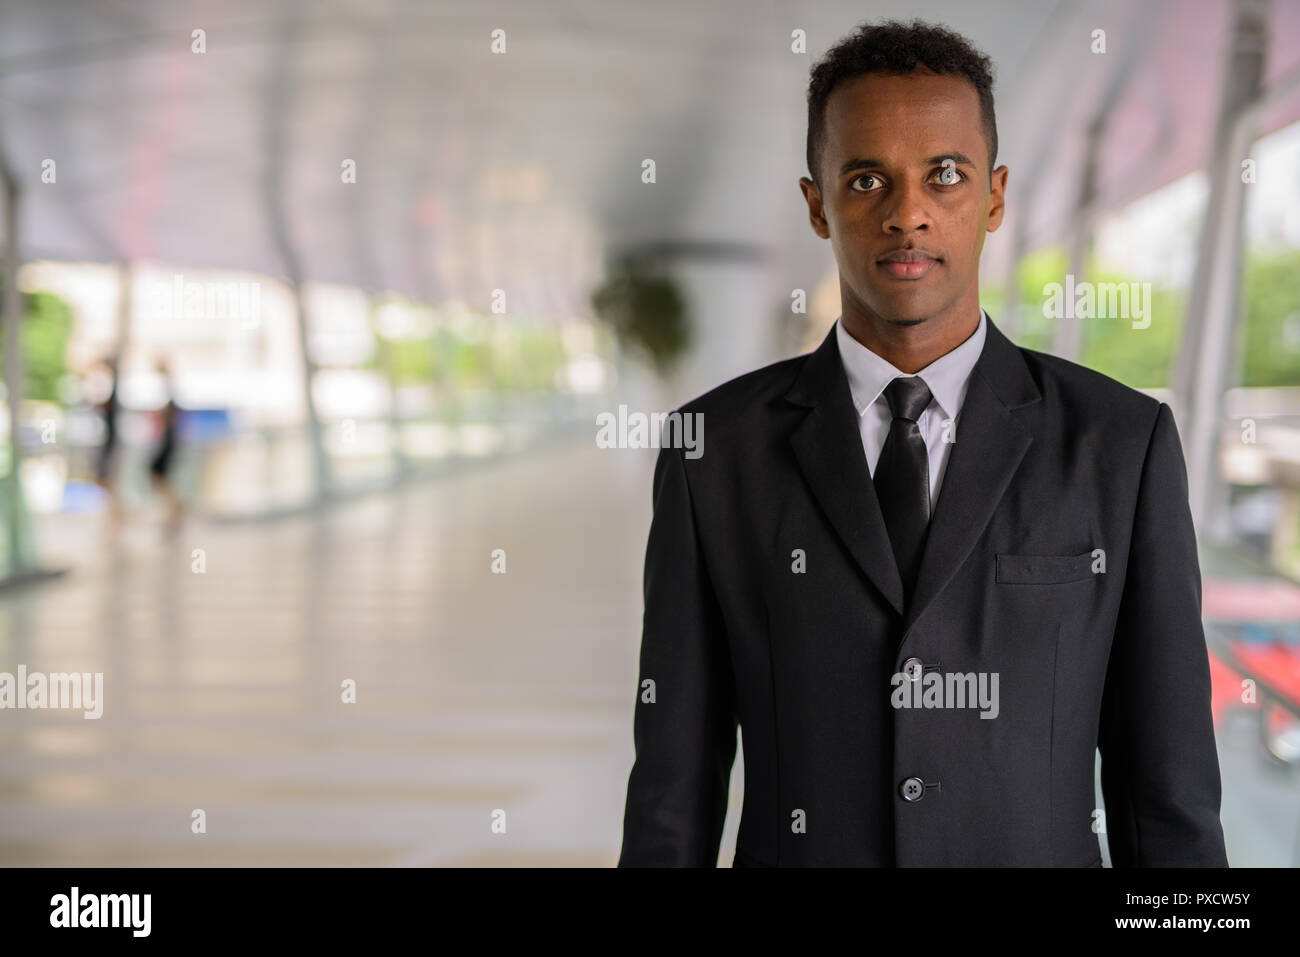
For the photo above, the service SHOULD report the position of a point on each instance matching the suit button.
(913, 667)
(913, 789)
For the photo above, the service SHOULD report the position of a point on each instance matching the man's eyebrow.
(961, 159)
(860, 164)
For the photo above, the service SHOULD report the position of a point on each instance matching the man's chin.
(910, 310)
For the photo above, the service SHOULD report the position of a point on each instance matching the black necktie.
(902, 476)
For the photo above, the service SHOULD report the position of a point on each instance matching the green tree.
(46, 325)
(1269, 330)
(1270, 343)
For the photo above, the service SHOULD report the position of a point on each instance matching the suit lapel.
(991, 440)
(828, 447)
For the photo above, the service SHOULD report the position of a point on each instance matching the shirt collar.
(946, 377)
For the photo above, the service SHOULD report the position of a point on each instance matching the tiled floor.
(475, 691)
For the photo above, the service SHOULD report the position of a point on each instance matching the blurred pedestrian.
(161, 464)
(106, 462)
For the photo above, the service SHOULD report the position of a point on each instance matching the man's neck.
(910, 348)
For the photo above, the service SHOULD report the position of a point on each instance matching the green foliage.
(1035, 272)
(46, 325)
(406, 360)
(502, 355)
(647, 313)
(470, 364)
(1144, 358)
(1271, 338)
(529, 359)
(1141, 358)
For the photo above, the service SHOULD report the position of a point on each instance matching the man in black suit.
(928, 572)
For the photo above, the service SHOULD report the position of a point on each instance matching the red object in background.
(1225, 689)
(1254, 633)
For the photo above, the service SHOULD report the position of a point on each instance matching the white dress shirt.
(946, 377)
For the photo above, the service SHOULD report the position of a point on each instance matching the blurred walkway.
(475, 691)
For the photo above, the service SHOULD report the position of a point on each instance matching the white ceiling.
(478, 171)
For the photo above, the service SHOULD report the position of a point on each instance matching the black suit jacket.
(1051, 463)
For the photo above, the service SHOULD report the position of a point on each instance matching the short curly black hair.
(895, 48)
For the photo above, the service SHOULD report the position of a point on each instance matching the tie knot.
(907, 397)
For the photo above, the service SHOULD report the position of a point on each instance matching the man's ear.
(997, 197)
(816, 214)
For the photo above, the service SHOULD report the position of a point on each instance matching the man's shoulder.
(1093, 406)
(1066, 386)
(1088, 392)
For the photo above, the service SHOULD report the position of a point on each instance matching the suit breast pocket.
(1043, 569)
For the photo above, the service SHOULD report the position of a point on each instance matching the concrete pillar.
(276, 157)
(734, 309)
(1208, 350)
(21, 557)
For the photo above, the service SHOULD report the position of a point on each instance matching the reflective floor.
(224, 670)
(225, 655)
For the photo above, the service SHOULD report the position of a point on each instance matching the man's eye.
(949, 176)
(875, 180)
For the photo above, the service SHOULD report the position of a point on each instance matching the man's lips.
(907, 263)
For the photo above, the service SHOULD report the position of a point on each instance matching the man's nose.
(908, 211)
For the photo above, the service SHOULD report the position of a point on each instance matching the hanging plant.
(647, 313)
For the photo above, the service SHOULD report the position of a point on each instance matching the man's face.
(905, 194)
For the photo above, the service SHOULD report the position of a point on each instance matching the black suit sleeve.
(1159, 766)
(686, 739)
